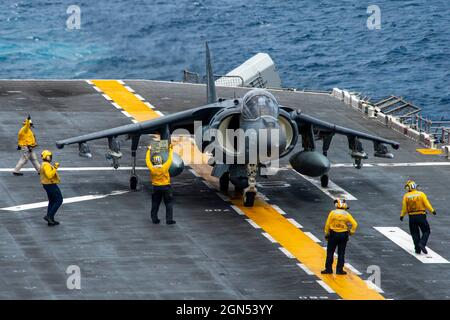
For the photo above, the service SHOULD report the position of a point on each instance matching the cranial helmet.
(46, 155)
(340, 204)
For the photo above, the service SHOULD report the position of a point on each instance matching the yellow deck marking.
(125, 99)
(308, 252)
(429, 151)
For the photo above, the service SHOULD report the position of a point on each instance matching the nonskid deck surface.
(214, 251)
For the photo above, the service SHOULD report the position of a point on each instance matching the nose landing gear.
(250, 192)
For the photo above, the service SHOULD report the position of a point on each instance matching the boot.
(50, 221)
(423, 249)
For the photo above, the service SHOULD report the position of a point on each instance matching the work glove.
(29, 117)
(401, 218)
(56, 165)
(434, 212)
(327, 237)
(19, 148)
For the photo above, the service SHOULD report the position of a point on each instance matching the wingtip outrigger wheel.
(324, 180)
(133, 182)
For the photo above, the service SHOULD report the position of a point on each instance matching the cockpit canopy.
(258, 103)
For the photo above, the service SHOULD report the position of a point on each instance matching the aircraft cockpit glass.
(258, 103)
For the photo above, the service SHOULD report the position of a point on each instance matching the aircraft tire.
(133, 182)
(249, 199)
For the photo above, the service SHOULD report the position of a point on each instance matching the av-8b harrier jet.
(265, 124)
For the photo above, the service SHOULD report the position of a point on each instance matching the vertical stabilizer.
(210, 83)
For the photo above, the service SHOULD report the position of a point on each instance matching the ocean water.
(315, 44)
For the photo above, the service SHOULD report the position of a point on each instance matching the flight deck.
(218, 249)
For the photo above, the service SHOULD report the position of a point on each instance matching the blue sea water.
(316, 44)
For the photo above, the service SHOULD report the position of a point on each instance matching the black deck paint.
(207, 254)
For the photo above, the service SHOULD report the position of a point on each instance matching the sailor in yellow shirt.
(26, 143)
(415, 204)
(340, 224)
(162, 189)
(50, 180)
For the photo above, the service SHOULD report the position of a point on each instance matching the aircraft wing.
(180, 120)
(323, 126)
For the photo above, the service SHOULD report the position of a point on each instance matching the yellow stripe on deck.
(126, 100)
(429, 151)
(306, 250)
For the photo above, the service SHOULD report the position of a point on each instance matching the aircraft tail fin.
(211, 95)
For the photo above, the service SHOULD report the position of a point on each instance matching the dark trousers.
(418, 223)
(55, 199)
(159, 193)
(339, 240)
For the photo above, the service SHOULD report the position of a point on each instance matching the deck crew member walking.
(50, 180)
(416, 204)
(26, 144)
(162, 189)
(340, 224)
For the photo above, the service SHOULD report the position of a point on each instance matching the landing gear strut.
(134, 178)
(250, 191)
(324, 180)
(358, 163)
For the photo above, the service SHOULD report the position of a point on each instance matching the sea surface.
(315, 44)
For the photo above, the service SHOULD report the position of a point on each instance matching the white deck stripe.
(121, 82)
(77, 169)
(207, 184)
(139, 97)
(127, 114)
(295, 223)
(194, 173)
(404, 241)
(325, 286)
(223, 197)
(373, 286)
(268, 236)
(278, 209)
(129, 89)
(65, 201)
(352, 269)
(333, 190)
(97, 89)
(394, 164)
(253, 224)
(148, 104)
(306, 269)
(116, 105)
(106, 97)
(286, 252)
(313, 237)
(239, 211)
